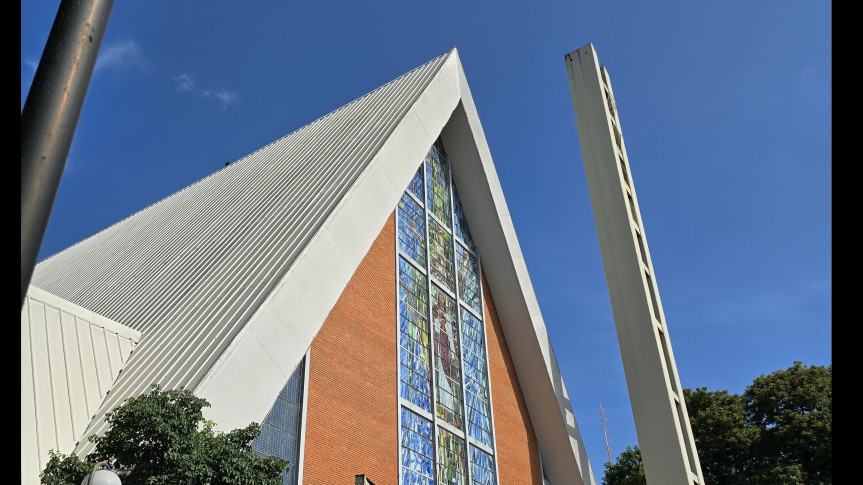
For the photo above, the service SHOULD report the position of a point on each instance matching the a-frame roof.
(230, 279)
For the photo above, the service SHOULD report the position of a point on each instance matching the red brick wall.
(352, 417)
(351, 422)
(517, 455)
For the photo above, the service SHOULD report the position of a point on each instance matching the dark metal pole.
(51, 114)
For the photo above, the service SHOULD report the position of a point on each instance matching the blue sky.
(725, 109)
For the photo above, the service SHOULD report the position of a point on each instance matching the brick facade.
(351, 424)
(517, 453)
(352, 417)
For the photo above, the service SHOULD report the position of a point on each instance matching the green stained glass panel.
(414, 336)
(440, 255)
(437, 184)
(451, 459)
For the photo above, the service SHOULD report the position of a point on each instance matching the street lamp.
(101, 475)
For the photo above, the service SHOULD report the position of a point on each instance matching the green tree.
(723, 437)
(779, 431)
(161, 437)
(626, 470)
(793, 411)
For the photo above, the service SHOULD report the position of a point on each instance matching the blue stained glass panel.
(468, 278)
(476, 379)
(416, 449)
(481, 467)
(411, 230)
(460, 222)
(416, 186)
(280, 431)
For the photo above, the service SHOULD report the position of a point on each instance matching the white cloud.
(32, 64)
(118, 53)
(184, 82)
(226, 97)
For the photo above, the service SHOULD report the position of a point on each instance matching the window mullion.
(457, 325)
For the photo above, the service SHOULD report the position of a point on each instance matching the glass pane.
(440, 255)
(280, 431)
(468, 278)
(437, 183)
(481, 467)
(475, 379)
(411, 232)
(447, 366)
(451, 458)
(416, 449)
(413, 336)
(416, 186)
(461, 229)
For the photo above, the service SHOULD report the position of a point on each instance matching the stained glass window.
(447, 367)
(416, 186)
(413, 336)
(412, 234)
(280, 431)
(475, 381)
(468, 278)
(416, 449)
(438, 261)
(437, 184)
(481, 467)
(440, 254)
(451, 459)
(461, 229)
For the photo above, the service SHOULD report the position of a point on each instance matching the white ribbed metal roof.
(190, 270)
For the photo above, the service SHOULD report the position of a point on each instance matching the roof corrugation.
(189, 271)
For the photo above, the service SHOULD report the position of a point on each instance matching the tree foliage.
(723, 437)
(627, 470)
(779, 431)
(161, 437)
(793, 410)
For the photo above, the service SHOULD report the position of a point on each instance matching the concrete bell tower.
(661, 421)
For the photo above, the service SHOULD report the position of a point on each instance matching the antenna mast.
(605, 430)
